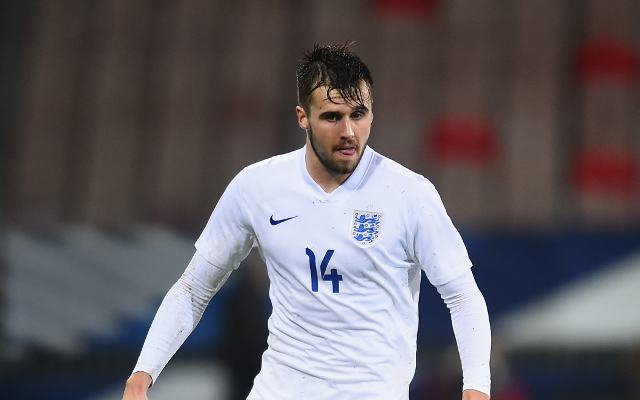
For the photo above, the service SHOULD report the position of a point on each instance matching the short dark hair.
(335, 67)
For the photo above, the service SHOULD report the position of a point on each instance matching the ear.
(303, 120)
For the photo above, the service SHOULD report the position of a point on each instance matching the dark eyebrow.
(361, 109)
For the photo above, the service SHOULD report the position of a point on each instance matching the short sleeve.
(437, 245)
(228, 237)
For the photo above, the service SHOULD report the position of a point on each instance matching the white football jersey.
(344, 270)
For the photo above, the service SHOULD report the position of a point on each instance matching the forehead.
(319, 98)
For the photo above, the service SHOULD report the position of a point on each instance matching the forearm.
(470, 322)
(179, 314)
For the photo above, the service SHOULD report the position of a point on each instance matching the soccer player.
(345, 233)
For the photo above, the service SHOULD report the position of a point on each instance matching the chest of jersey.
(343, 247)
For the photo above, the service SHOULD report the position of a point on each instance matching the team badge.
(365, 228)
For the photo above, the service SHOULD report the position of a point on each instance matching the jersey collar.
(343, 191)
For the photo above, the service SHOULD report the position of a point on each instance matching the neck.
(327, 180)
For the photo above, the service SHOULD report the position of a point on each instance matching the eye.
(332, 117)
(357, 115)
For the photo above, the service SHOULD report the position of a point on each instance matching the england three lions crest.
(365, 228)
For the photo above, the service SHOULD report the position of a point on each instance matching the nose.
(347, 129)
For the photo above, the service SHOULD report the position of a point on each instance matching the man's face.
(337, 131)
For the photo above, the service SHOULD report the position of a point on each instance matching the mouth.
(347, 151)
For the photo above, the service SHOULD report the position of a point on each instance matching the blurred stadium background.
(123, 121)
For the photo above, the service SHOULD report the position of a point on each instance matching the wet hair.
(334, 67)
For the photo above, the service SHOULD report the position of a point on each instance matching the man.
(345, 233)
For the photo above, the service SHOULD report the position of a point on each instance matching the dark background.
(122, 121)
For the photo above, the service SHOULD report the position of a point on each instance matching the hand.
(136, 387)
(471, 394)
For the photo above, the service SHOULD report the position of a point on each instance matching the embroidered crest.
(365, 228)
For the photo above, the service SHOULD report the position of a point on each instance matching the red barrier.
(465, 139)
(601, 171)
(407, 9)
(606, 60)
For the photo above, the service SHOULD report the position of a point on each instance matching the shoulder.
(410, 192)
(396, 175)
(273, 167)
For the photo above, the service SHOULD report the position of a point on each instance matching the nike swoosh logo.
(279, 221)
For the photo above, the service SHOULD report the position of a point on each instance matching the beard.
(330, 163)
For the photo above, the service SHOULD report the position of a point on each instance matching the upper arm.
(228, 236)
(437, 245)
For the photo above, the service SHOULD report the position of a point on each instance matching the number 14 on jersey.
(333, 277)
